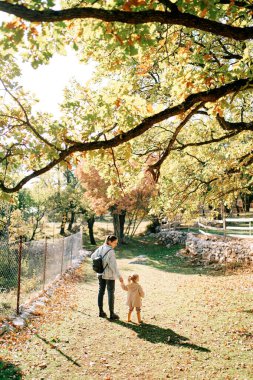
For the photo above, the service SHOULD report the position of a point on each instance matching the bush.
(152, 227)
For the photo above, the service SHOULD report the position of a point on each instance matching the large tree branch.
(168, 4)
(140, 17)
(116, 167)
(26, 121)
(168, 149)
(9, 152)
(243, 162)
(205, 96)
(228, 126)
(240, 4)
(206, 142)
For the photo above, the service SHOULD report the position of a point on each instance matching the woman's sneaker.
(102, 314)
(114, 317)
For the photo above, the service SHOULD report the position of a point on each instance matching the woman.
(109, 275)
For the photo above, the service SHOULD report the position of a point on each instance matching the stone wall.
(215, 249)
(170, 237)
(210, 249)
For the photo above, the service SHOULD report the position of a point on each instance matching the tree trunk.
(35, 228)
(116, 225)
(247, 202)
(72, 220)
(122, 219)
(90, 222)
(63, 223)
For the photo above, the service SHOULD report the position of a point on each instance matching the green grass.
(197, 326)
(9, 371)
(158, 255)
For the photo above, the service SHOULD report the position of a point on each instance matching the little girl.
(134, 295)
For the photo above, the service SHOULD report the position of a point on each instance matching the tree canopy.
(173, 80)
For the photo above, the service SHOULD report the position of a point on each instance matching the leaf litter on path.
(188, 319)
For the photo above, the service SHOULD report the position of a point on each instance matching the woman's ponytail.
(110, 238)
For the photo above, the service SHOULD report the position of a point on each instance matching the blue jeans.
(110, 284)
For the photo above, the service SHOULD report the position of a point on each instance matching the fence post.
(20, 248)
(223, 218)
(250, 227)
(62, 256)
(71, 252)
(45, 263)
(224, 226)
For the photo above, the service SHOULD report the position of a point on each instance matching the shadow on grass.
(58, 350)
(248, 311)
(9, 371)
(162, 258)
(156, 334)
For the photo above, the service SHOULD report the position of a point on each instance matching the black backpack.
(97, 263)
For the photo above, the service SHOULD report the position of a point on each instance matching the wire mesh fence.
(28, 267)
(8, 276)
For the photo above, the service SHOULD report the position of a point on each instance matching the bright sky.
(47, 82)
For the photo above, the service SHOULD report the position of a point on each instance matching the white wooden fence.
(235, 227)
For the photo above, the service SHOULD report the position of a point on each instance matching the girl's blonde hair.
(134, 277)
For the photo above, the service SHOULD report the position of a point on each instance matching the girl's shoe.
(102, 314)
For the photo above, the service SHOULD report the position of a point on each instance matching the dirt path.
(197, 326)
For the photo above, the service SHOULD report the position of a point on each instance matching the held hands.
(121, 279)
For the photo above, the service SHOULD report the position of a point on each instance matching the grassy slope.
(198, 326)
